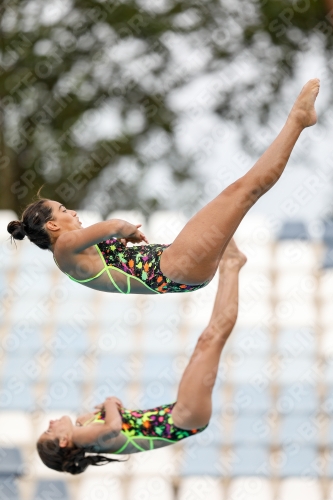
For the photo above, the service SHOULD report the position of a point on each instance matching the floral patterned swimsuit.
(139, 262)
(143, 427)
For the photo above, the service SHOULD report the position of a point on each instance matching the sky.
(305, 189)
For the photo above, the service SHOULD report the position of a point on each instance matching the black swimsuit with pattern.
(143, 262)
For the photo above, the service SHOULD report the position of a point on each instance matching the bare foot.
(303, 110)
(232, 258)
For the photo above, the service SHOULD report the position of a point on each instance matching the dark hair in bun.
(32, 224)
(16, 229)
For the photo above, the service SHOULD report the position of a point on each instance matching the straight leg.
(196, 252)
(194, 401)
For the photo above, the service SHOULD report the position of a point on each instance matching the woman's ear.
(63, 442)
(51, 225)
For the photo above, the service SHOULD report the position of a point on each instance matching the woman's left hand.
(114, 400)
(101, 406)
(137, 237)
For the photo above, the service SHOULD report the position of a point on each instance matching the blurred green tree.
(86, 86)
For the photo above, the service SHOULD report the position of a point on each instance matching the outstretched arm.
(78, 240)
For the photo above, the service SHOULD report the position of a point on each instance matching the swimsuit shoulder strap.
(150, 439)
(74, 279)
(131, 440)
(93, 420)
(128, 276)
(106, 269)
(96, 420)
(88, 279)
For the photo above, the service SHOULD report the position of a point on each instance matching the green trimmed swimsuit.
(139, 262)
(142, 428)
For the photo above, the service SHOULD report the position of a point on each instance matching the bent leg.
(194, 256)
(194, 401)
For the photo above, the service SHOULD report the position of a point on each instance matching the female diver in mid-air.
(113, 429)
(190, 262)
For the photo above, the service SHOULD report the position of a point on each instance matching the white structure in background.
(60, 338)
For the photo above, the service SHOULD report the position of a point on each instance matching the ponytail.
(72, 460)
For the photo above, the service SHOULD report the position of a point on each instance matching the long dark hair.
(72, 460)
(32, 224)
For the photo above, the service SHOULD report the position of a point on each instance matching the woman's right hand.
(115, 400)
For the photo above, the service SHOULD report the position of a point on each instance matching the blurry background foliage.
(86, 87)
